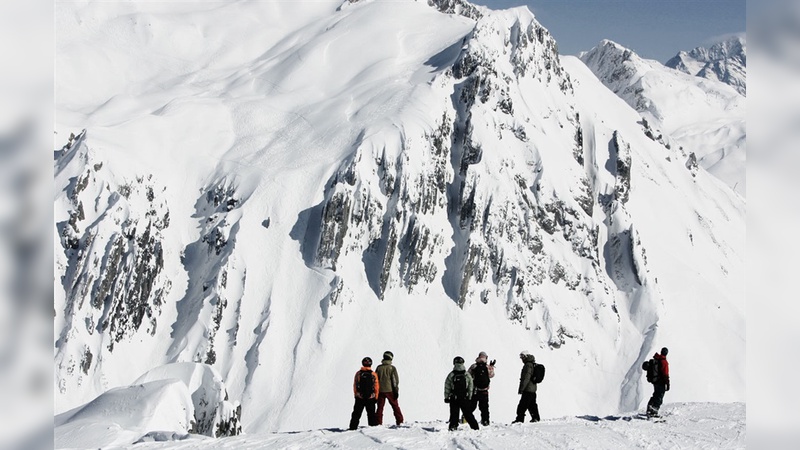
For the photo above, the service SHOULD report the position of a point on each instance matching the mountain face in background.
(327, 181)
(725, 61)
(701, 116)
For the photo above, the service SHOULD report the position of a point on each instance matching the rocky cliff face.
(111, 268)
(467, 204)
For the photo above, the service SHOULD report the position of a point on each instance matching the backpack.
(460, 385)
(366, 384)
(652, 369)
(538, 373)
(480, 376)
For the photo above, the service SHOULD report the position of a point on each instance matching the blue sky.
(655, 29)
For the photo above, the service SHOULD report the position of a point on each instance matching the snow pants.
(658, 397)
(465, 407)
(527, 402)
(480, 399)
(382, 397)
(359, 407)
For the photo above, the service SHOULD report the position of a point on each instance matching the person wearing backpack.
(482, 372)
(458, 388)
(527, 389)
(389, 388)
(660, 382)
(365, 388)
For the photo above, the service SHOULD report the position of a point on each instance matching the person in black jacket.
(527, 389)
(482, 372)
(660, 384)
(458, 389)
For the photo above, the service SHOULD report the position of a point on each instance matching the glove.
(667, 386)
(396, 394)
(447, 400)
(491, 363)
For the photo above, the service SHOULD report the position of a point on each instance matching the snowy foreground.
(685, 425)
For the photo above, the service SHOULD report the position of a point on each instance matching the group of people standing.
(468, 389)
(464, 390)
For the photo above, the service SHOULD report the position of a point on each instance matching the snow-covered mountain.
(703, 117)
(725, 61)
(327, 180)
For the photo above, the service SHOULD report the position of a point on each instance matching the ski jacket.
(355, 382)
(490, 369)
(387, 373)
(526, 383)
(448, 382)
(663, 374)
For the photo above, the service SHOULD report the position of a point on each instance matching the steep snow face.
(326, 181)
(725, 61)
(703, 116)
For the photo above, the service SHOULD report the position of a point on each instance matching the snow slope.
(686, 425)
(704, 116)
(329, 180)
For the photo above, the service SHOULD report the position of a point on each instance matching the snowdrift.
(166, 403)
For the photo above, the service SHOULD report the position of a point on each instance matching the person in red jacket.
(365, 389)
(661, 383)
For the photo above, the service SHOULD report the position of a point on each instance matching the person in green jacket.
(390, 388)
(527, 389)
(458, 389)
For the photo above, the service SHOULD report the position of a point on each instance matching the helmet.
(458, 360)
(524, 353)
(483, 355)
(388, 355)
(664, 351)
(366, 362)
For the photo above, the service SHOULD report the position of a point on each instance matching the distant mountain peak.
(724, 61)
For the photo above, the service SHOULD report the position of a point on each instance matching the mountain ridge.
(704, 116)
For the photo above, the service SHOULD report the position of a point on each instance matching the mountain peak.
(609, 49)
(724, 61)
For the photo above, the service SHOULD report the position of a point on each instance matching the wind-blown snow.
(324, 181)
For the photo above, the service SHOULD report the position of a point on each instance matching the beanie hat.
(458, 360)
(664, 351)
(366, 362)
(388, 355)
